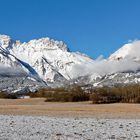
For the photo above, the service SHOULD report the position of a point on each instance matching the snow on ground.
(49, 128)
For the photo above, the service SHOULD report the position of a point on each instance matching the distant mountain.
(128, 51)
(128, 56)
(46, 62)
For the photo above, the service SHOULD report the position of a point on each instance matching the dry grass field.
(38, 106)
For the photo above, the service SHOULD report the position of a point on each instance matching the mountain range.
(46, 62)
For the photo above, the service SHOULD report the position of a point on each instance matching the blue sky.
(93, 27)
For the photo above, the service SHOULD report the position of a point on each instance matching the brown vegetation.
(74, 94)
(7, 96)
(126, 94)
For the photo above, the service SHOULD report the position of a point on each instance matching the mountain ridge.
(51, 63)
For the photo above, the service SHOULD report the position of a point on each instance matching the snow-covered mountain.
(128, 51)
(128, 59)
(122, 67)
(46, 62)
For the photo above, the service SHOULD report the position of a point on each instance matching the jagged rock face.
(15, 79)
(49, 59)
(18, 84)
(115, 79)
(46, 62)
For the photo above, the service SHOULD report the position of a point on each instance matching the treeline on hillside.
(124, 94)
(73, 94)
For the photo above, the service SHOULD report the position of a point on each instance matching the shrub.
(72, 94)
(104, 95)
(67, 95)
(7, 96)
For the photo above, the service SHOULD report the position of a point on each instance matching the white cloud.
(11, 71)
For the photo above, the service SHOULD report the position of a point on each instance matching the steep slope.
(46, 62)
(44, 58)
(15, 79)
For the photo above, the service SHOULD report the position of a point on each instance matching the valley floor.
(38, 107)
(34, 119)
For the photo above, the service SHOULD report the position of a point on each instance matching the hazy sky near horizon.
(93, 27)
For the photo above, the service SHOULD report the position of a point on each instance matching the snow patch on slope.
(128, 51)
(47, 60)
